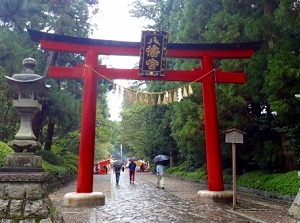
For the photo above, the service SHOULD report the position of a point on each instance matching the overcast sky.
(115, 23)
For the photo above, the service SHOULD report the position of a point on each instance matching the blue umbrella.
(160, 158)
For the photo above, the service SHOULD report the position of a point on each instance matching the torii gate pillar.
(88, 125)
(85, 195)
(213, 154)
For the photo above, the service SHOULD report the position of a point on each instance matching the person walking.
(142, 168)
(160, 175)
(117, 171)
(132, 167)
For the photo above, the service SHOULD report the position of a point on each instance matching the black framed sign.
(153, 53)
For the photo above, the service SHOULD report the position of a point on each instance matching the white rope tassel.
(159, 99)
(175, 98)
(165, 102)
(190, 90)
(179, 94)
(170, 98)
(185, 94)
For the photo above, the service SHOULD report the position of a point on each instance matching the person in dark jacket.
(132, 167)
(117, 171)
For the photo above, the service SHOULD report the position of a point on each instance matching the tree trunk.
(171, 159)
(50, 133)
(269, 8)
(289, 160)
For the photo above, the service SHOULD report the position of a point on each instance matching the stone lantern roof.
(28, 81)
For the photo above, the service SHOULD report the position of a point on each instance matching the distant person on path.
(142, 169)
(132, 167)
(117, 171)
(160, 175)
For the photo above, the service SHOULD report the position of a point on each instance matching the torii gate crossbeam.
(206, 53)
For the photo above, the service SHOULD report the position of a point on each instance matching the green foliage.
(50, 157)
(200, 173)
(4, 151)
(59, 171)
(71, 159)
(182, 170)
(282, 183)
(227, 176)
(287, 183)
(67, 143)
(71, 168)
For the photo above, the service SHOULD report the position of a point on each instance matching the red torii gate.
(93, 47)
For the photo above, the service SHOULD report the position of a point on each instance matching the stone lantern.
(23, 183)
(30, 88)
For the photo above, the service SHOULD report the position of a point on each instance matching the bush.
(287, 183)
(184, 167)
(227, 176)
(170, 170)
(71, 169)
(4, 151)
(282, 183)
(57, 171)
(199, 174)
(179, 173)
(71, 159)
(50, 157)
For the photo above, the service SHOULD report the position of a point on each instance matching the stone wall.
(24, 198)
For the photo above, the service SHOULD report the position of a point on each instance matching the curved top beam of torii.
(71, 44)
(175, 50)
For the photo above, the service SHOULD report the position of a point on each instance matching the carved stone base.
(22, 162)
(84, 199)
(23, 191)
(24, 197)
(210, 197)
(24, 145)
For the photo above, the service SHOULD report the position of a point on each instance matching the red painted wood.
(88, 127)
(213, 152)
(132, 74)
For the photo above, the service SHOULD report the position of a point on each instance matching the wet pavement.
(143, 202)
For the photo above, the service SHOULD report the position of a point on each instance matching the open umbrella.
(118, 163)
(160, 158)
(133, 159)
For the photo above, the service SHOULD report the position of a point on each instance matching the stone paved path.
(143, 202)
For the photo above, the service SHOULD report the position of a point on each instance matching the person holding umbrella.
(117, 170)
(160, 175)
(160, 170)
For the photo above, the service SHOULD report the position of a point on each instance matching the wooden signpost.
(234, 136)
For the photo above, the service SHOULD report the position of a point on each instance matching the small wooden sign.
(234, 136)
